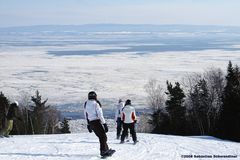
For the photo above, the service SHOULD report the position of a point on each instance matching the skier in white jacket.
(96, 122)
(118, 120)
(129, 120)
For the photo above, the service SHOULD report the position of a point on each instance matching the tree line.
(204, 104)
(34, 118)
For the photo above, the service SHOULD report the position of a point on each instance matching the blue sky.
(76, 12)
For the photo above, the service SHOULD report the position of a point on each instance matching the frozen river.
(65, 66)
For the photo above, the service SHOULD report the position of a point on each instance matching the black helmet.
(92, 95)
(14, 104)
(128, 102)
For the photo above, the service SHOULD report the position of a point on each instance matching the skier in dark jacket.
(129, 120)
(11, 116)
(96, 122)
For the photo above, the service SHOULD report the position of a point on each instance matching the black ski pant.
(98, 129)
(130, 126)
(119, 126)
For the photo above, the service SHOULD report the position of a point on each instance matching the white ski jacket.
(93, 111)
(118, 111)
(128, 114)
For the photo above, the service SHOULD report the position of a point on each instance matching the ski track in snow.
(85, 146)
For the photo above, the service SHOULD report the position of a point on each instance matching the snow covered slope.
(85, 146)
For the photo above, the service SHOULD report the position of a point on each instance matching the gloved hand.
(89, 128)
(105, 127)
(135, 121)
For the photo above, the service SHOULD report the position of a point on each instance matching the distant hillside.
(120, 28)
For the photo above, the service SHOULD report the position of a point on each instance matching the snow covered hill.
(85, 146)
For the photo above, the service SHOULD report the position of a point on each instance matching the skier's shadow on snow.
(49, 155)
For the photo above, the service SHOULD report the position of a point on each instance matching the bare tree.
(156, 102)
(143, 125)
(52, 121)
(155, 98)
(216, 82)
(210, 100)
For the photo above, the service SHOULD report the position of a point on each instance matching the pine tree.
(200, 106)
(38, 118)
(65, 126)
(176, 108)
(230, 111)
(4, 105)
(43, 118)
(160, 121)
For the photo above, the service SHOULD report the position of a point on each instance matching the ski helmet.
(128, 102)
(92, 95)
(14, 104)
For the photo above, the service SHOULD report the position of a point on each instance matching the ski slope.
(85, 146)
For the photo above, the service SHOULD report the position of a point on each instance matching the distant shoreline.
(108, 114)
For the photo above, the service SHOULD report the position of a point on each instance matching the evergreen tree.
(200, 106)
(160, 121)
(4, 105)
(230, 111)
(38, 116)
(176, 108)
(36, 119)
(43, 118)
(65, 126)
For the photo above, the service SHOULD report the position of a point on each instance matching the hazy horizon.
(79, 12)
(122, 24)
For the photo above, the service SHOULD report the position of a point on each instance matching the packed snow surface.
(85, 146)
